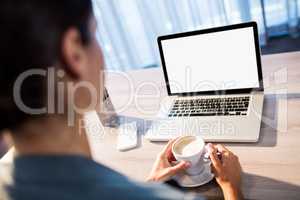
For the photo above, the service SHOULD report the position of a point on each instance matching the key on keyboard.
(210, 107)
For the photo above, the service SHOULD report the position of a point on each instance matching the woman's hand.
(162, 169)
(227, 170)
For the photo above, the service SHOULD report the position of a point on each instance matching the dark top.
(76, 177)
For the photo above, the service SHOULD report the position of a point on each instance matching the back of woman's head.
(30, 38)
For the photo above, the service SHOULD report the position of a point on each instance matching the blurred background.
(128, 28)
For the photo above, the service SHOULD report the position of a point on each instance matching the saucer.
(185, 180)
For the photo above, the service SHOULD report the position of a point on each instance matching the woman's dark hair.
(30, 37)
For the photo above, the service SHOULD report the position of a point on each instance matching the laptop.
(214, 83)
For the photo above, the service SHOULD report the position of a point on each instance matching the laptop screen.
(214, 61)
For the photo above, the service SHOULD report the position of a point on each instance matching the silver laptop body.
(214, 83)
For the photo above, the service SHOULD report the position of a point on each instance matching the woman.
(51, 60)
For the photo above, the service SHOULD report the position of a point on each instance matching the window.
(128, 28)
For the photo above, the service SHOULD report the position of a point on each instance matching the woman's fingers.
(214, 158)
(183, 165)
(221, 148)
(168, 146)
(172, 171)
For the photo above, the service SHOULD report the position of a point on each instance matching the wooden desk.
(271, 166)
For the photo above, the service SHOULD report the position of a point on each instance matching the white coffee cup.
(191, 149)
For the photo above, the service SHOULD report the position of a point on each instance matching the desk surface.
(271, 166)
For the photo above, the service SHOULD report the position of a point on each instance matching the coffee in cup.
(191, 149)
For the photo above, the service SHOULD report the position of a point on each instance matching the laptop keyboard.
(210, 107)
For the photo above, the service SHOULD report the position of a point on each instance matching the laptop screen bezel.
(213, 30)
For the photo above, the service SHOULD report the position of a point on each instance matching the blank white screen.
(213, 61)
